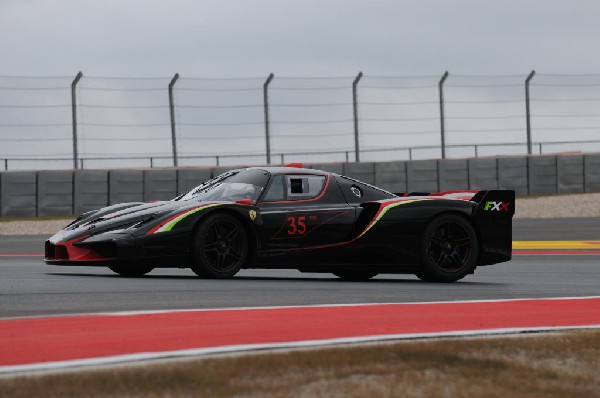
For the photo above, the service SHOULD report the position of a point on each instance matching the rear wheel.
(220, 247)
(355, 275)
(131, 272)
(448, 250)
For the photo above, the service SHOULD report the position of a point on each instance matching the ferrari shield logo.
(252, 214)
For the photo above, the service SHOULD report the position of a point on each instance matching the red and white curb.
(60, 342)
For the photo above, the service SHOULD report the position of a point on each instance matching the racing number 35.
(296, 225)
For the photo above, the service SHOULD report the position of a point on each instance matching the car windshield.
(230, 187)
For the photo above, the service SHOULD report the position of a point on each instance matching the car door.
(304, 211)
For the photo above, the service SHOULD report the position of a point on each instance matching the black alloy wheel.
(449, 249)
(131, 271)
(220, 247)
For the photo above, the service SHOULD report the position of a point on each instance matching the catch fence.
(98, 122)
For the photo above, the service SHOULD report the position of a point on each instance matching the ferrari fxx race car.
(295, 218)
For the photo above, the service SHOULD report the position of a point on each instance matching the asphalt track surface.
(28, 287)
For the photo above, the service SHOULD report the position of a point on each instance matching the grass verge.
(541, 365)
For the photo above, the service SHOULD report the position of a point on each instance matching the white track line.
(150, 312)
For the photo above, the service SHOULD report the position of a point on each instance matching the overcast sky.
(308, 38)
(297, 37)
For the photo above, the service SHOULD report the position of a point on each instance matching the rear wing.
(491, 202)
(494, 202)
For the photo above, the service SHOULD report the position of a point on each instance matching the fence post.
(172, 113)
(355, 109)
(6, 164)
(527, 114)
(74, 116)
(266, 106)
(442, 121)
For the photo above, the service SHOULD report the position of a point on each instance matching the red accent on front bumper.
(67, 251)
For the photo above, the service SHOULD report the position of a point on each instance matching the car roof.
(291, 170)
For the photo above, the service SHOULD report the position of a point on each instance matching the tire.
(131, 272)
(220, 247)
(449, 249)
(355, 275)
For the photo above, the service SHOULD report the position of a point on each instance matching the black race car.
(295, 218)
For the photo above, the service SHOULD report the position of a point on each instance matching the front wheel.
(220, 247)
(131, 272)
(449, 249)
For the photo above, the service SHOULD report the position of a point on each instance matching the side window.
(304, 186)
(276, 190)
(315, 185)
(293, 187)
